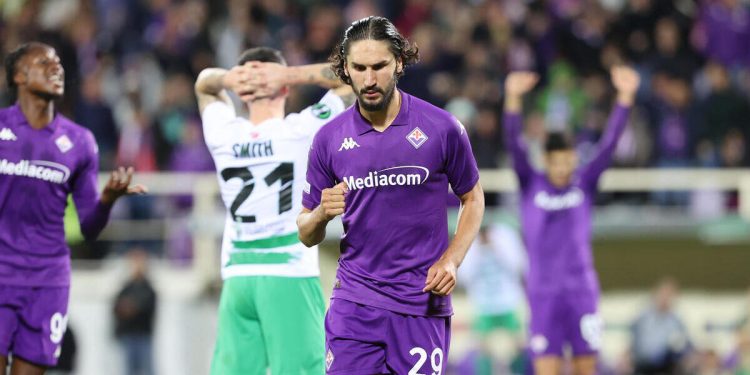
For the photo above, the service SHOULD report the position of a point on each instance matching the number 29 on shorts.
(436, 360)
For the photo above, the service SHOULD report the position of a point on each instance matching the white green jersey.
(261, 170)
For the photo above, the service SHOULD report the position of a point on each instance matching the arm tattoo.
(328, 74)
(348, 99)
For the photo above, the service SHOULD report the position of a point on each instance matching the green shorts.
(487, 323)
(270, 321)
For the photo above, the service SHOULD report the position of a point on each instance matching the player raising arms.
(271, 310)
(385, 165)
(44, 157)
(556, 205)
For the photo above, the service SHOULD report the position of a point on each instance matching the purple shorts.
(564, 319)
(362, 339)
(32, 322)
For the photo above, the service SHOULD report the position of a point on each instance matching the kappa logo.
(348, 144)
(64, 143)
(7, 135)
(417, 137)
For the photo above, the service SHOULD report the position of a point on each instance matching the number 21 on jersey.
(284, 173)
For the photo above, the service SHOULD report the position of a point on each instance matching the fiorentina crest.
(417, 137)
(329, 359)
(64, 143)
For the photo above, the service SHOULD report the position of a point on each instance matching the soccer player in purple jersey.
(556, 205)
(385, 165)
(43, 158)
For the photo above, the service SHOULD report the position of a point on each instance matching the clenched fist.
(332, 201)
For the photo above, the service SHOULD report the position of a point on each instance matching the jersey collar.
(17, 118)
(402, 118)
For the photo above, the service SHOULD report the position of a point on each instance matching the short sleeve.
(319, 175)
(460, 166)
(215, 118)
(312, 118)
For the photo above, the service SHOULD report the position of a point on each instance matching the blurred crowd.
(130, 65)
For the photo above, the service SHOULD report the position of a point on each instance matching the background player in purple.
(385, 165)
(43, 158)
(556, 205)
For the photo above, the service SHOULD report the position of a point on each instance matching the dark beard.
(46, 95)
(382, 104)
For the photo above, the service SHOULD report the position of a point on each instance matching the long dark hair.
(373, 28)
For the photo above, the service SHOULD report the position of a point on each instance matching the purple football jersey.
(395, 222)
(38, 169)
(556, 222)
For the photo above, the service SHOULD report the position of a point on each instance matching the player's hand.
(267, 77)
(626, 81)
(238, 79)
(441, 277)
(119, 185)
(332, 201)
(520, 83)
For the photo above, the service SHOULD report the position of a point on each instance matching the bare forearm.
(513, 103)
(469, 221)
(625, 99)
(314, 74)
(312, 227)
(210, 81)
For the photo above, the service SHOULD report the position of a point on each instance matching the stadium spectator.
(468, 46)
(485, 135)
(134, 311)
(722, 32)
(659, 340)
(92, 109)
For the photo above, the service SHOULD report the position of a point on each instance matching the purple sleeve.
(319, 175)
(513, 126)
(461, 168)
(92, 214)
(606, 146)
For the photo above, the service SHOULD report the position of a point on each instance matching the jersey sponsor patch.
(321, 111)
(39, 169)
(64, 143)
(7, 135)
(556, 202)
(417, 137)
(403, 175)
